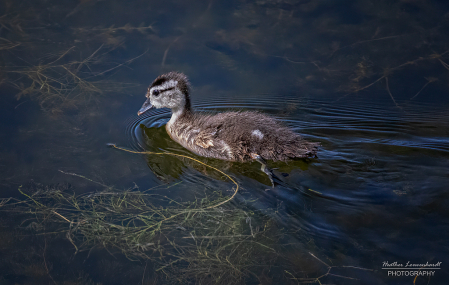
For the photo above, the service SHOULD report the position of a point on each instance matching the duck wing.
(205, 139)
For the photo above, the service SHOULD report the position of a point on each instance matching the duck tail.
(304, 149)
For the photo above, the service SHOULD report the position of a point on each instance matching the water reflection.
(366, 79)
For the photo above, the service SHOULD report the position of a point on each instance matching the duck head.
(170, 90)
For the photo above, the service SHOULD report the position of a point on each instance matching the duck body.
(232, 136)
(238, 136)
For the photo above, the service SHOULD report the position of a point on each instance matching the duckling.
(233, 136)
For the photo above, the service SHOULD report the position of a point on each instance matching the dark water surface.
(366, 79)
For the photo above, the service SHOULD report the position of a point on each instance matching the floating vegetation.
(6, 44)
(57, 85)
(58, 72)
(189, 240)
(194, 242)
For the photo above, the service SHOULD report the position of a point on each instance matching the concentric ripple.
(366, 146)
(152, 118)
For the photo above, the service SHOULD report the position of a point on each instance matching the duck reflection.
(170, 168)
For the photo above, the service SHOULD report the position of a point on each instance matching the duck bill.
(145, 107)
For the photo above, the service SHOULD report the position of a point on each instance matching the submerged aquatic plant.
(189, 240)
(198, 242)
(64, 84)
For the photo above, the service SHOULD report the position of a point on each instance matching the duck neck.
(180, 112)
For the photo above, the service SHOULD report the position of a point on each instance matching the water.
(368, 80)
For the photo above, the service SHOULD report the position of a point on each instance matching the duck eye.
(156, 92)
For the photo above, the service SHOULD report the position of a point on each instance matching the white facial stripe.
(165, 85)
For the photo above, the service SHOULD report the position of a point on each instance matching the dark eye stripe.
(159, 91)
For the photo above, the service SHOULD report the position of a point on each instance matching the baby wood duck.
(233, 136)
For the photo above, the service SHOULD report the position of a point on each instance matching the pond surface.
(366, 79)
